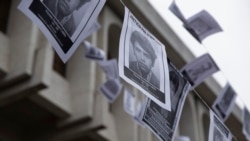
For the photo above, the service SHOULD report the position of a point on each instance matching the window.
(113, 44)
(58, 65)
(206, 122)
(4, 14)
(113, 41)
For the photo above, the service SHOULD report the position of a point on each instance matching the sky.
(230, 48)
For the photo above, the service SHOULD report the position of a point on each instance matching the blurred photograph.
(144, 58)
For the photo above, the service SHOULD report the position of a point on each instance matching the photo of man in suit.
(63, 11)
(144, 58)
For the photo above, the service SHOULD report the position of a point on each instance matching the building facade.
(42, 99)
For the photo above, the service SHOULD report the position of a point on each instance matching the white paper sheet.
(217, 130)
(92, 52)
(162, 122)
(202, 25)
(111, 89)
(143, 61)
(199, 69)
(223, 105)
(61, 29)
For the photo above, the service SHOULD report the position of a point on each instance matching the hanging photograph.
(64, 22)
(199, 69)
(162, 122)
(177, 12)
(143, 61)
(202, 25)
(111, 89)
(217, 130)
(92, 52)
(224, 103)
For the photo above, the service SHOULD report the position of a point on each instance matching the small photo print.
(202, 25)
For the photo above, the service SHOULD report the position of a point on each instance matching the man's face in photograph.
(143, 58)
(66, 7)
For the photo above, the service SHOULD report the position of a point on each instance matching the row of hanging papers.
(143, 63)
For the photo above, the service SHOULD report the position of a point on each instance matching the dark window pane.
(4, 14)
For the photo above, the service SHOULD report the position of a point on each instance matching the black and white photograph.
(161, 121)
(218, 131)
(63, 11)
(199, 69)
(143, 61)
(111, 89)
(129, 102)
(177, 12)
(92, 52)
(201, 25)
(110, 68)
(65, 23)
(224, 103)
(246, 123)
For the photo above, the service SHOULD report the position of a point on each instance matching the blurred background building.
(42, 99)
